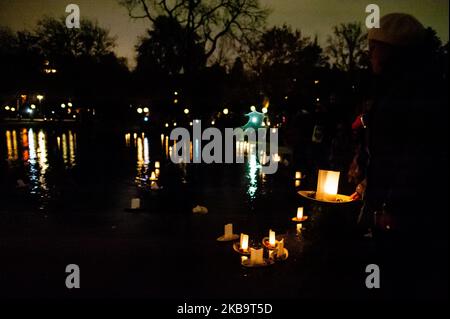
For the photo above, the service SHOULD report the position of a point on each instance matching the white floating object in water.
(200, 210)
(135, 203)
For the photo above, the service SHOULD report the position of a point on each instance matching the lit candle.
(256, 256)
(327, 185)
(157, 164)
(298, 175)
(299, 212)
(271, 238)
(244, 242)
(228, 231)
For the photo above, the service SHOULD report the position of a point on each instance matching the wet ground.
(73, 211)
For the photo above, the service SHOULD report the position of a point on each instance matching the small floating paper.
(256, 256)
(135, 203)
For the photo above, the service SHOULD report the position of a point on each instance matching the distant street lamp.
(32, 106)
(146, 110)
(264, 110)
(39, 97)
(63, 106)
(69, 104)
(252, 108)
(7, 107)
(186, 111)
(139, 110)
(225, 111)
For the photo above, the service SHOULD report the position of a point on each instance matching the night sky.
(310, 16)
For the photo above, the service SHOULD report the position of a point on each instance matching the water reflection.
(252, 171)
(28, 156)
(143, 158)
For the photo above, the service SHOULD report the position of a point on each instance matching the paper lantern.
(327, 185)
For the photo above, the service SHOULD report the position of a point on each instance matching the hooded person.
(403, 146)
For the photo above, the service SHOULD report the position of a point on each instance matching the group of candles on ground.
(276, 248)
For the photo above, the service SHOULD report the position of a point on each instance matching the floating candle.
(244, 242)
(228, 231)
(300, 212)
(272, 238)
(256, 256)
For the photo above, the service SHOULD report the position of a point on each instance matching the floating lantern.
(272, 238)
(256, 256)
(228, 231)
(244, 242)
(327, 185)
(157, 171)
(300, 217)
(298, 175)
(297, 183)
(135, 203)
(157, 164)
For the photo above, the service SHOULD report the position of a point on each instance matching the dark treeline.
(202, 56)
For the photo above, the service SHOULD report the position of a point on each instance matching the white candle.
(228, 231)
(135, 203)
(256, 256)
(244, 242)
(299, 212)
(271, 238)
(298, 175)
